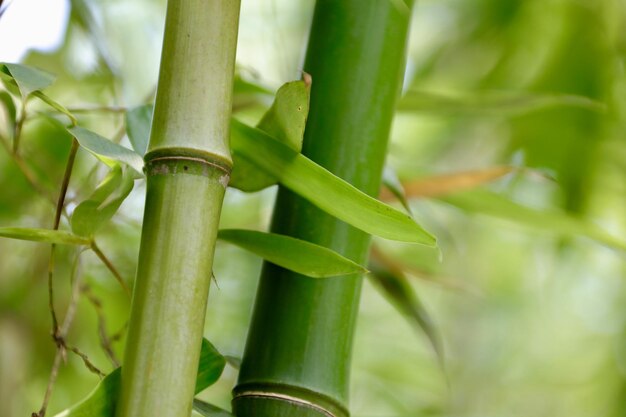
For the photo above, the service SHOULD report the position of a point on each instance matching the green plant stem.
(297, 357)
(188, 165)
(96, 249)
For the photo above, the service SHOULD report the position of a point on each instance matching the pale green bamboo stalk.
(187, 168)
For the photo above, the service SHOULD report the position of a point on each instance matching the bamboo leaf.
(449, 183)
(59, 237)
(241, 86)
(8, 81)
(93, 213)
(209, 410)
(106, 150)
(286, 118)
(102, 400)
(492, 204)
(495, 104)
(233, 361)
(393, 184)
(138, 121)
(401, 6)
(210, 366)
(284, 121)
(327, 191)
(11, 112)
(28, 79)
(56, 105)
(297, 255)
(395, 286)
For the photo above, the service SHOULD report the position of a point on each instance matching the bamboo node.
(285, 397)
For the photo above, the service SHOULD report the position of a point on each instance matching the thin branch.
(117, 336)
(99, 109)
(60, 203)
(59, 337)
(105, 341)
(94, 369)
(66, 181)
(57, 220)
(110, 266)
(53, 315)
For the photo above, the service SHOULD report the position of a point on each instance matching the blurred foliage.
(532, 321)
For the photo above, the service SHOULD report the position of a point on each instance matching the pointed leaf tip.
(28, 79)
(300, 256)
(327, 191)
(106, 150)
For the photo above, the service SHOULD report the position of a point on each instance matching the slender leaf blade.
(59, 237)
(210, 367)
(8, 81)
(11, 112)
(438, 185)
(395, 286)
(297, 255)
(209, 410)
(285, 121)
(55, 105)
(233, 361)
(102, 400)
(91, 214)
(494, 104)
(393, 184)
(138, 122)
(327, 191)
(28, 79)
(492, 204)
(286, 118)
(105, 149)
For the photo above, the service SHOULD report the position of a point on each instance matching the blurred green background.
(533, 320)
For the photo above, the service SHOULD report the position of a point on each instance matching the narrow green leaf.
(8, 81)
(393, 184)
(401, 6)
(94, 212)
(55, 105)
(437, 185)
(106, 150)
(284, 121)
(322, 188)
(395, 286)
(11, 113)
(210, 367)
(102, 400)
(28, 79)
(286, 118)
(209, 410)
(43, 235)
(241, 86)
(138, 122)
(233, 361)
(297, 255)
(492, 204)
(496, 104)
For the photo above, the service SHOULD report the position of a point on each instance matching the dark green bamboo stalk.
(187, 168)
(297, 357)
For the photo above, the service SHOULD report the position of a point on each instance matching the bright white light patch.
(31, 24)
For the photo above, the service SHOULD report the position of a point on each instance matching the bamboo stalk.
(297, 357)
(187, 169)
